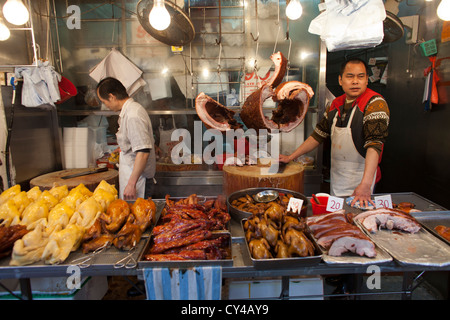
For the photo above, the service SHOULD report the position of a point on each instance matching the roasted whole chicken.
(276, 233)
(122, 225)
(260, 249)
(116, 215)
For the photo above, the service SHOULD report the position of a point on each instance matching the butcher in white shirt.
(137, 160)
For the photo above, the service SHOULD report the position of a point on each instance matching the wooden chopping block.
(237, 178)
(91, 181)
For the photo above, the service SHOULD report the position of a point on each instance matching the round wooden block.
(91, 181)
(237, 178)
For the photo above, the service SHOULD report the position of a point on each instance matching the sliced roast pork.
(388, 219)
(335, 234)
(214, 115)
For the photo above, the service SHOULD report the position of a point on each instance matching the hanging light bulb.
(443, 10)
(16, 12)
(4, 31)
(294, 9)
(159, 16)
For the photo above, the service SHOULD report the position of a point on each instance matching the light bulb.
(16, 12)
(443, 10)
(159, 16)
(4, 31)
(294, 10)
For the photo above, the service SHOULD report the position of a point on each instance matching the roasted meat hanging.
(293, 101)
(214, 115)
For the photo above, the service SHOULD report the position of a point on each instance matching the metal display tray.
(108, 259)
(430, 220)
(280, 263)
(420, 249)
(142, 263)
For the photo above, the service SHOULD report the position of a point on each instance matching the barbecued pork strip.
(389, 219)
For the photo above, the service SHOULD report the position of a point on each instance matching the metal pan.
(142, 263)
(238, 215)
(421, 248)
(281, 263)
(430, 220)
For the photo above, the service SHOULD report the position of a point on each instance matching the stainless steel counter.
(103, 263)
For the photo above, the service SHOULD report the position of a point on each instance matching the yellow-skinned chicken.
(9, 193)
(9, 214)
(104, 198)
(59, 192)
(74, 199)
(21, 201)
(61, 243)
(34, 193)
(59, 216)
(82, 188)
(86, 213)
(48, 198)
(34, 212)
(29, 249)
(107, 187)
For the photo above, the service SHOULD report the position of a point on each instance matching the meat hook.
(220, 24)
(83, 261)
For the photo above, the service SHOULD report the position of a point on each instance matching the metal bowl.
(266, 196)
(238, 215)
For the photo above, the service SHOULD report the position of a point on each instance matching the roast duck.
(292, 97)
(187, 230)
(276, 233)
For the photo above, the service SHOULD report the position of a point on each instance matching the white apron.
(347, 165)
(125, 169)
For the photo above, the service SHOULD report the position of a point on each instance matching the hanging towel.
(116, 65)
(197, 283)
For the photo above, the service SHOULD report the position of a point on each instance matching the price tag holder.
(334, 204)
(383, 201)
(295, 205)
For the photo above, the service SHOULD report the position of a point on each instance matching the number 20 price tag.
(334, 204)
(384, 201)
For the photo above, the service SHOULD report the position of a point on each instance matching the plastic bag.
(350, 24)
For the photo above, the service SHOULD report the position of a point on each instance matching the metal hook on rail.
(257, 28)
(220, 24)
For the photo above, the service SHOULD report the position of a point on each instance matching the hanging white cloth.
(116, 65)
(40, 84)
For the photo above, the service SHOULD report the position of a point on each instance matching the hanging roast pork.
(293, 101)
(292, 97)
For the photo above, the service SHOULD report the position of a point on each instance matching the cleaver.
(277, 168)
(84, 173)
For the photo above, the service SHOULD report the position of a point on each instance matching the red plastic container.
(66, 90)
(319, 209)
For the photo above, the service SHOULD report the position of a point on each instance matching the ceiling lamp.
(16, 12)
(4, 31)
(294, 9)
(159, 16)
(443, 10)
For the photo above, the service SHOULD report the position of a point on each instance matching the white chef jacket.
(135, 133)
